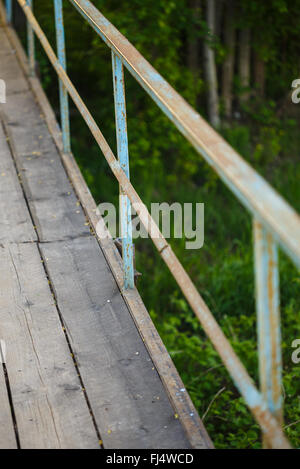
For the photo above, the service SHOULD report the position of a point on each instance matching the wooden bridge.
(77, 372)
(83, 365)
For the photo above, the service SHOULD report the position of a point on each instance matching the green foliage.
(164, 167)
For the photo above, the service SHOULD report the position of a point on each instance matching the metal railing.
(275, 222)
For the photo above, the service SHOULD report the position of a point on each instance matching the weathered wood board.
(10, 68)
(55, 209)
(7, 433)
(127, 397)
(15, 221)
(49, 404)
(5, 45)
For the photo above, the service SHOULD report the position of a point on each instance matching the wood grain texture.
(15, 221)
(9, 68)
(5, 45)
(127, 397)
(53, 204)
(50, 407)
(181, 403)
(7, 433)
(172, 384)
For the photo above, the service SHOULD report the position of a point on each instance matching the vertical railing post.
(63, 94)
(268, 320)
(122, 146)
(8, 5)
(30, 43)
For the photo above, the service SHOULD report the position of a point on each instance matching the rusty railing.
(275, 222)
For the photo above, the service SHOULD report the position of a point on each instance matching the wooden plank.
(7, 433)
(129, 402)
(53, 204)
(5, 45)
(50, 407)
(23, 116)
(182, 403)
(10, 69)
(15, 221)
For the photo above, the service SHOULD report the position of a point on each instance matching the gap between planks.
(171, 380)
(129, 403)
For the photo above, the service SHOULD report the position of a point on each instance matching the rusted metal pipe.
(268, 320)
(247, 185)
(270, 427)
(8, 6)
(63, 94)
(123, 156)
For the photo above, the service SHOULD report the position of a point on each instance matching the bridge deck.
(77, 370)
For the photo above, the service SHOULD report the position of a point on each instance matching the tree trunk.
(210, 67)
(259, 75)
(228, 65)
(244, 64)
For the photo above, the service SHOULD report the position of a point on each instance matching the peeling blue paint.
(63, 94)
(279, 222)
(122, 146)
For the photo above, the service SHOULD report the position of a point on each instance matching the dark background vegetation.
(234, 62)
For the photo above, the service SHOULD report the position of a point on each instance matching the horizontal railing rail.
(250, 188)
(275, 222)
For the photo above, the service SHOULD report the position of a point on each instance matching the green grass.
(223, 272)
(165, 168)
